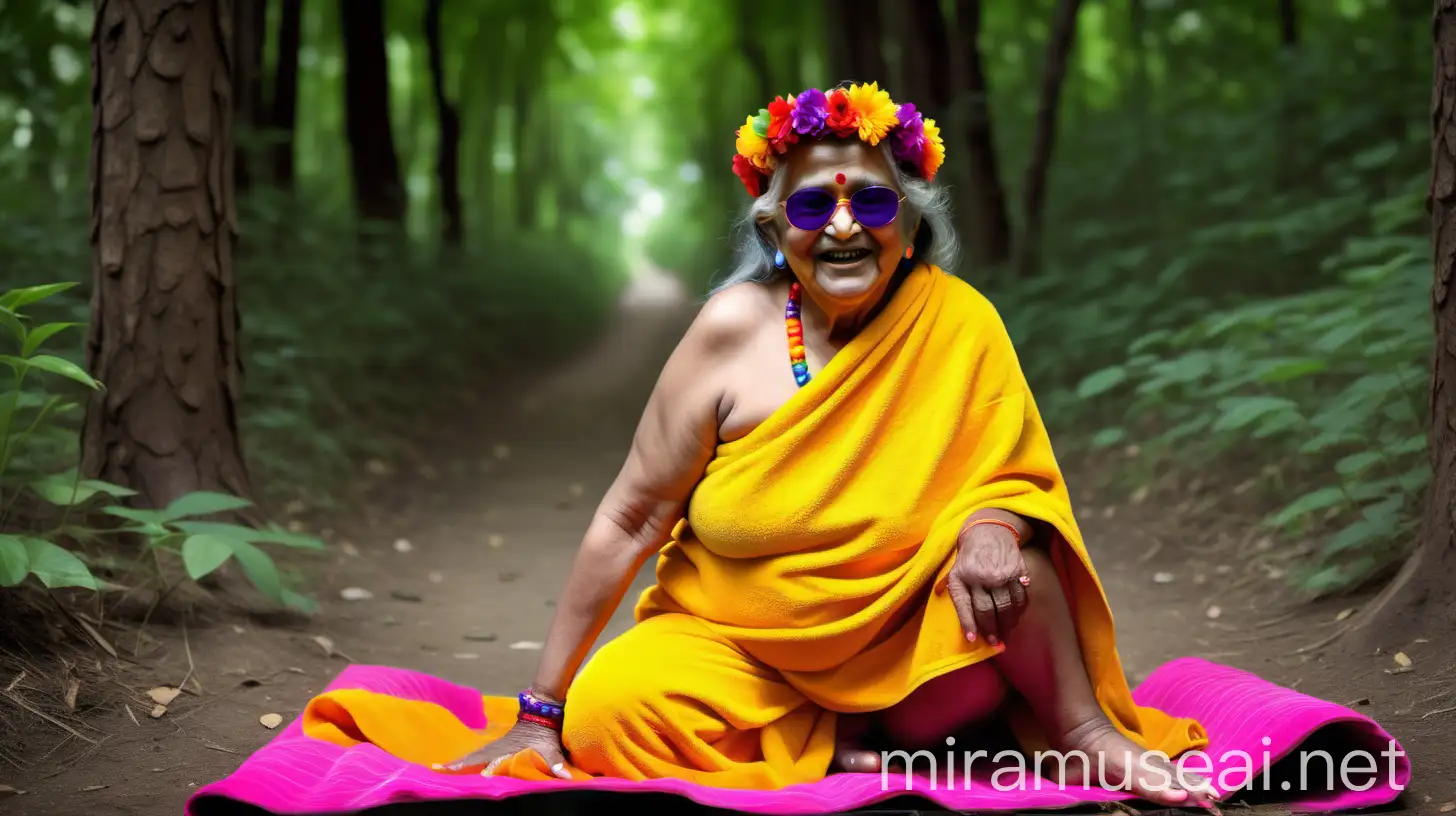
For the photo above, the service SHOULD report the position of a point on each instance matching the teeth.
(849, 255)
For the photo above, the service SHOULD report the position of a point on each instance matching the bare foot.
(1119, 763)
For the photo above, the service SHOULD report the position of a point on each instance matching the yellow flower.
(934, 150)
(753, 146)
(877, 113)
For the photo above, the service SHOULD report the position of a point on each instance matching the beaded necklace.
(795, 328)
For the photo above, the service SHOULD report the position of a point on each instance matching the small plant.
(180, 530)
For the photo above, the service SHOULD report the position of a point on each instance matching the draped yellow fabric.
(803, 582)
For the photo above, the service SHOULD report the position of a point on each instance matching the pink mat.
(295, 774)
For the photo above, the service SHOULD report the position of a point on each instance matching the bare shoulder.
(732, 316)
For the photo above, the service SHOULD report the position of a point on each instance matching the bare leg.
(1043, 662)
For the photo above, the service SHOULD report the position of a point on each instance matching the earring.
(779, 260)
(909, 252)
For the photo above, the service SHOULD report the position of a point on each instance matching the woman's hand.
(523, 736)
(988, 582)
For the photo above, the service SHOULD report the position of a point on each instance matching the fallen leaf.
(502, 452)
(1132, 451)
(163, 695)
(437, 577)
(90, 788)
(1363, 701)
(1446, 808)
(1141, 494)
(403, 545)
(1344, 613)
(348, 548)
(158, 710)
(294, 507)
(295, 526)
(326, 643)
(1162, 577)
(481, 637)
(73, 688)
(466, 656)
(238, 630)
(1223, 569)
(1264, 544)
(355, 594)
(6, 790)
(1421, 640)
(376, 467)
(1109, 512)
(1214, 612)
(1402, 660)
(495, 540)
(527, 646)
(401, 595)
(270, 721)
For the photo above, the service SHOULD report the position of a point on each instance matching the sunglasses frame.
(840, 202)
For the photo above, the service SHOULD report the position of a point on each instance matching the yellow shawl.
(815, 541)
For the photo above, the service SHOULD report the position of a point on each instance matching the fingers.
(557, 762)
(1007, 612)
(961, 598)
(984, 609)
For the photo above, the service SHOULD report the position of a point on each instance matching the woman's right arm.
(673, 444)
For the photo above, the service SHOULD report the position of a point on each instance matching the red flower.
(748, 174)
(843, 118)
(781, 133)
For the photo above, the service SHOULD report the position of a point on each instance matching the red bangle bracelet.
(539, 720)
(999, 523)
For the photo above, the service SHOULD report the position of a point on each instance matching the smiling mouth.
(844, 256)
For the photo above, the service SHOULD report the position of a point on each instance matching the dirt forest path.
(463, 551)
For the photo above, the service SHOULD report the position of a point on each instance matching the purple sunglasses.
(873, 207)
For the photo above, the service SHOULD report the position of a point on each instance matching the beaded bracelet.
(539, 711)
(554, 725)
(999, 523)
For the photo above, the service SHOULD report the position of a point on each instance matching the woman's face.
(843, 264)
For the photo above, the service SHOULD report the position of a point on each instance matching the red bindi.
(838, 178)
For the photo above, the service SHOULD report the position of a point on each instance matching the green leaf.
(1240, 412)
(1357, 462)
(57, 567)
(54, 365)
(202, 503)
(1292, 370)
(16, 299)
(259, 568)
(1101, 382)
(238, 532)
(1360, 534)
(202, 554)
(1313, 502)
(14, 561)
(12, 322)
(1107, 437)
(113, 490)
(137, 514)
(40, 334)
(302, 603)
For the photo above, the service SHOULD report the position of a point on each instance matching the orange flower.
(843, 118)
(780, 124)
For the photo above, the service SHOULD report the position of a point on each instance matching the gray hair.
(935, 242)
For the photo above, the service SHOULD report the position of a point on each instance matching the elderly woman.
(859, 524)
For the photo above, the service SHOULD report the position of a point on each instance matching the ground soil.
(493, 505)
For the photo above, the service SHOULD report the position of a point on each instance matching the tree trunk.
(249, 119)
(284, 117)
(447, 165)
(861, 27)
(163, 336)
(374, 164)
(1288, 24)
(1059, 49)
(751, 45)
(927, 57)
(1422, 595)
(988, 224)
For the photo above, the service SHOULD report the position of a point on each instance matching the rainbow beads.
(795, 328)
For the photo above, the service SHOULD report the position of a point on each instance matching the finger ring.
(1025, 580)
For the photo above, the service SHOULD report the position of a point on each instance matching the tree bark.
(1423, 593)
(861, 26)
(1059, 49)
(447, 165)
(250, 31)
(927, 57)
(284, 118)
(374, 163)
(988, 224)
(163, 336)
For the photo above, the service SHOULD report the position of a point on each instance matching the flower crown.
(862, 110)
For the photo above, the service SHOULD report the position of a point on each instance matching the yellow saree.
(803, 581)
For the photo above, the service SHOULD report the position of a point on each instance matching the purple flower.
(810, 111)
(908, 138)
